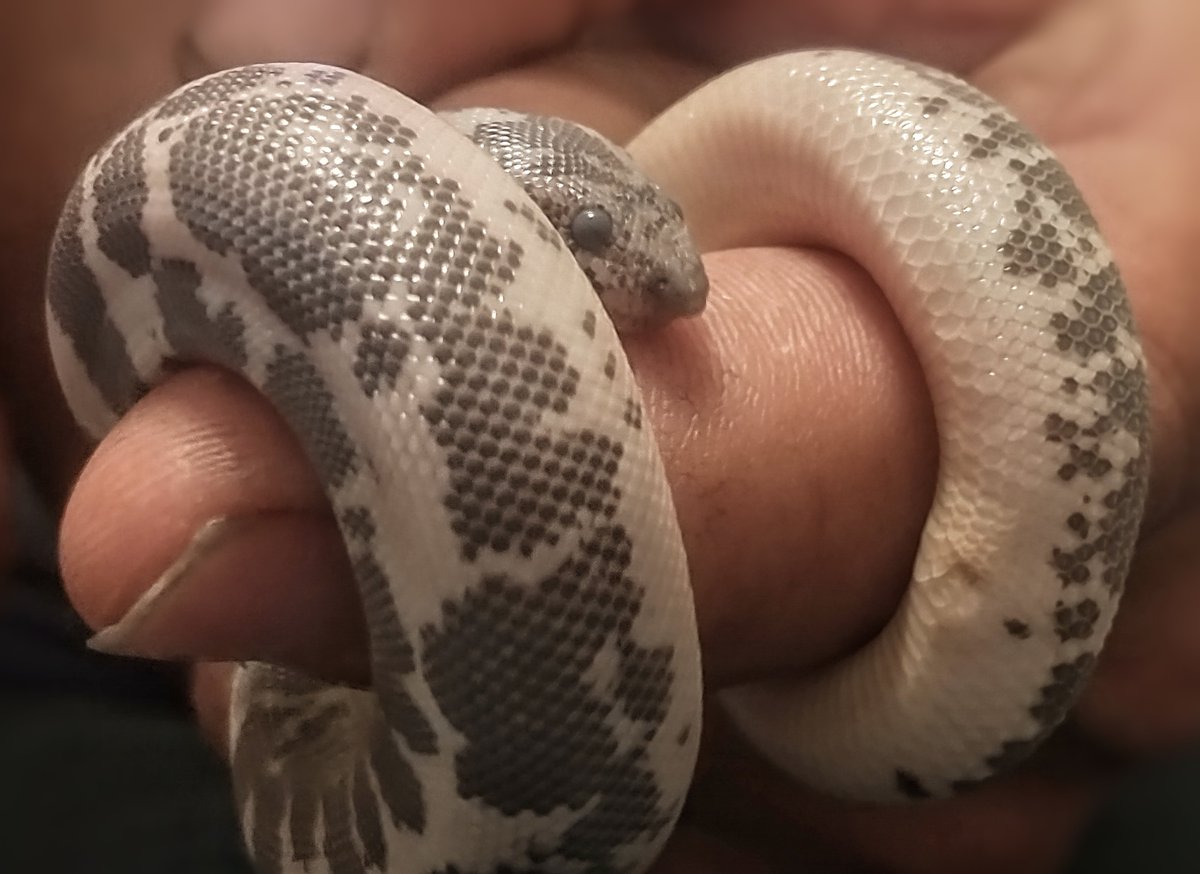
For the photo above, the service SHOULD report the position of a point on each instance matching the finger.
(227, 34)
(423, 49)
(1026, 821)
(205, 446)
(801, 451)
(795, 430)
(415, 46)
(1145, 694)
(952, 34)
(615, 93)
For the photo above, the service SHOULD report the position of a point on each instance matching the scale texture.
(419, 322)
(425, 322)
(1011, 300)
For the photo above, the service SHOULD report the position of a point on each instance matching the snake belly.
(1018, 316)
(466, 403)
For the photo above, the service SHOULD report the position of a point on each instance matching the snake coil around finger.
(429, 302)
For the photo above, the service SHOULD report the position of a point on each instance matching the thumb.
(797, 439)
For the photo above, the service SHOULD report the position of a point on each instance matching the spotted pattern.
(408, 293)
(197, 335)
(213, 90)
(121, 195)
(1017, 628)
(76, 303)
(1052, 700)
(1055, 242)
(532, 751)
(308, 729)
(295, 386)
(999, 275)
(1077, 621)
(255, 206)
(513, 483)
(440, 356)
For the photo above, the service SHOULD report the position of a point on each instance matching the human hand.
(775, 541)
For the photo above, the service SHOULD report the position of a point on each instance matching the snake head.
(628, 237)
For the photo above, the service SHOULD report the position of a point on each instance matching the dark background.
(103, 771)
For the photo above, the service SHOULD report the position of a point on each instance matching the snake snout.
(680, 289)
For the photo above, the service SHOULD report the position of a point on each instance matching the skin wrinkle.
(180, 443)
(847, 344)
(191, 618)
(945, 33)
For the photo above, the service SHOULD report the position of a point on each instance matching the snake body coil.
(422, 321)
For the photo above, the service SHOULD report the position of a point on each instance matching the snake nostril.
(681, 290)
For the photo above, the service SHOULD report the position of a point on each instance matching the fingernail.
(272, 586)
(134, 633)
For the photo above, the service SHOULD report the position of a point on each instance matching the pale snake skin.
(536, 681)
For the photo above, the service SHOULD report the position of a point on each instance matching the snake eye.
(592, 229)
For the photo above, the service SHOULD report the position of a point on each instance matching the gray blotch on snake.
(74, 297)
(335, 256)
(537, 735)
(1095, 310)
(364, 247)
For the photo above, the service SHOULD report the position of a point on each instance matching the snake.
(435, 304)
